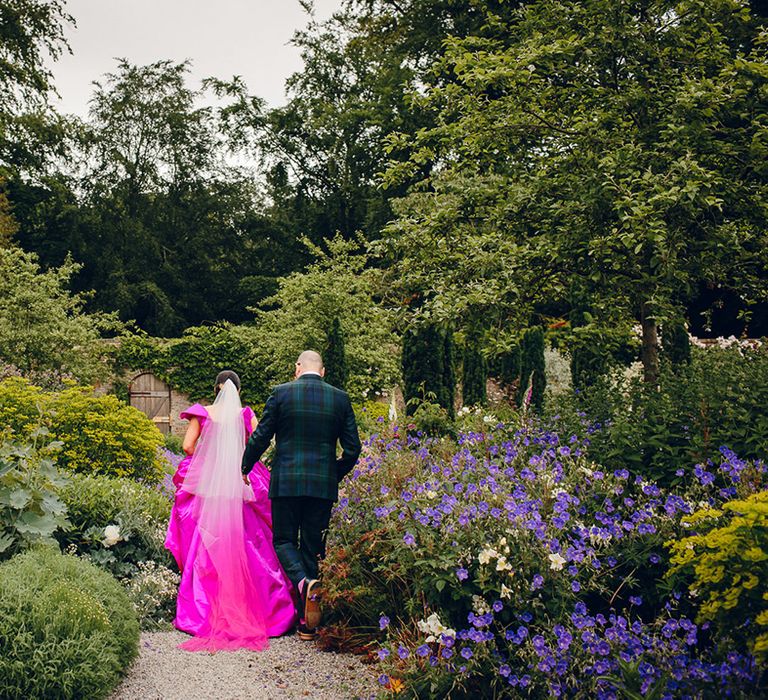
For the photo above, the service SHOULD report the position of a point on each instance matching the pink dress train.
(257, 603)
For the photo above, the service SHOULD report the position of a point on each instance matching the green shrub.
(335, 357)
(474, 371)
(173, 443)
(717, 400)
(152, 591)
(428, 367)
(139, 514)
(99, 434)
(370, 416)
(30, 509)
(67, 630)
(532, 368)
(21, 404)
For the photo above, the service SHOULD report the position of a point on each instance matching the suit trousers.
(299, 528)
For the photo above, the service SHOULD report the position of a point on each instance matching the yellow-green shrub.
(21, 404)
(726, 565)
(99, 434)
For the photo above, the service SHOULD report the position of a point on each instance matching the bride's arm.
(191, 436)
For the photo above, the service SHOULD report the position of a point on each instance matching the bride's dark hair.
(222, 377)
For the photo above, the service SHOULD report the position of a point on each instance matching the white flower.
(556, 562)
(429, 493)
(503, 565)
(505, 592)
(479, 605)
(486, 555)
(111, 535)
(434, 628)
(531, 67)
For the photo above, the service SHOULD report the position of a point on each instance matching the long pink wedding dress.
(233, 592)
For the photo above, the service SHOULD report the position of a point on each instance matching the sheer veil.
(214, 478)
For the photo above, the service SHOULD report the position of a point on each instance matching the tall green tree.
(168, 232)
(428, 366)
(335, 357)
(474, 370)
(44, 329)
(341, 284)
(31, 32)
(620, 144)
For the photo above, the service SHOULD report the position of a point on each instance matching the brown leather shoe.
(312, 613)
(305, 634)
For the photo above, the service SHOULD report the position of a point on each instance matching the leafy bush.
(136, 516)
(21, 405)
(67, 630)
(726, 564)
(152, 591)
(30, 509)
(43, 326)
(718, 399)
(173, 444)
(370, 416)
(509, 563)
(98, 434)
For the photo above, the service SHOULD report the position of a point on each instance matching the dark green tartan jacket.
(307, 418)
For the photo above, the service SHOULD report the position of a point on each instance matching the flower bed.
(510, 564)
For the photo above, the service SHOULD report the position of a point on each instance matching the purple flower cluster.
(523, 517)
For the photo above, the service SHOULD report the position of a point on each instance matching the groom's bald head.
(309, 361)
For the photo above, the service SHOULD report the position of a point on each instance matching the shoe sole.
(307, 636)
(312, 613)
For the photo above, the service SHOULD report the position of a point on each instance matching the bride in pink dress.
(233, 592)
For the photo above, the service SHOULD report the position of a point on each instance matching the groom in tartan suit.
(307, 417)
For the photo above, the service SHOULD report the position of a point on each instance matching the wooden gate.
(152, 396)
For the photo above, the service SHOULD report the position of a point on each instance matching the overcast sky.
(223, 38)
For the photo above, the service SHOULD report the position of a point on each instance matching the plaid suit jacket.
(307, 418)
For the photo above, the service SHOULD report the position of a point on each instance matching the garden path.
(290, 668)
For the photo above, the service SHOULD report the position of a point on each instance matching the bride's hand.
(245, 479)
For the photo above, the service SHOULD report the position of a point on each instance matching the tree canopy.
(614, 150)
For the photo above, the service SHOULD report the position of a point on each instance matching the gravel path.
(290, 668)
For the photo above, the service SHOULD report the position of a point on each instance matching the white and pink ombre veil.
(235, 618)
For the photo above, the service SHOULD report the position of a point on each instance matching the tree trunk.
(649, 352)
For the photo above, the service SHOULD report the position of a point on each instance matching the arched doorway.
(152, 396)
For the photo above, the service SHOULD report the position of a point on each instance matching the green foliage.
(67, 630)
(334, 357)
(98, 434)
(717, 400)
(474, 371)
(428, 367)
(726, 564)
(339, 284)
(532, 371)
(30, 508)
(589, 144)
(168, 230)
(43, 327)
(101, 435)
(676, 344)
(33, 34)
(371, 416)
(140, 513)
(173, 443)
(120, 526)
(153, 590)
(190, 363)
